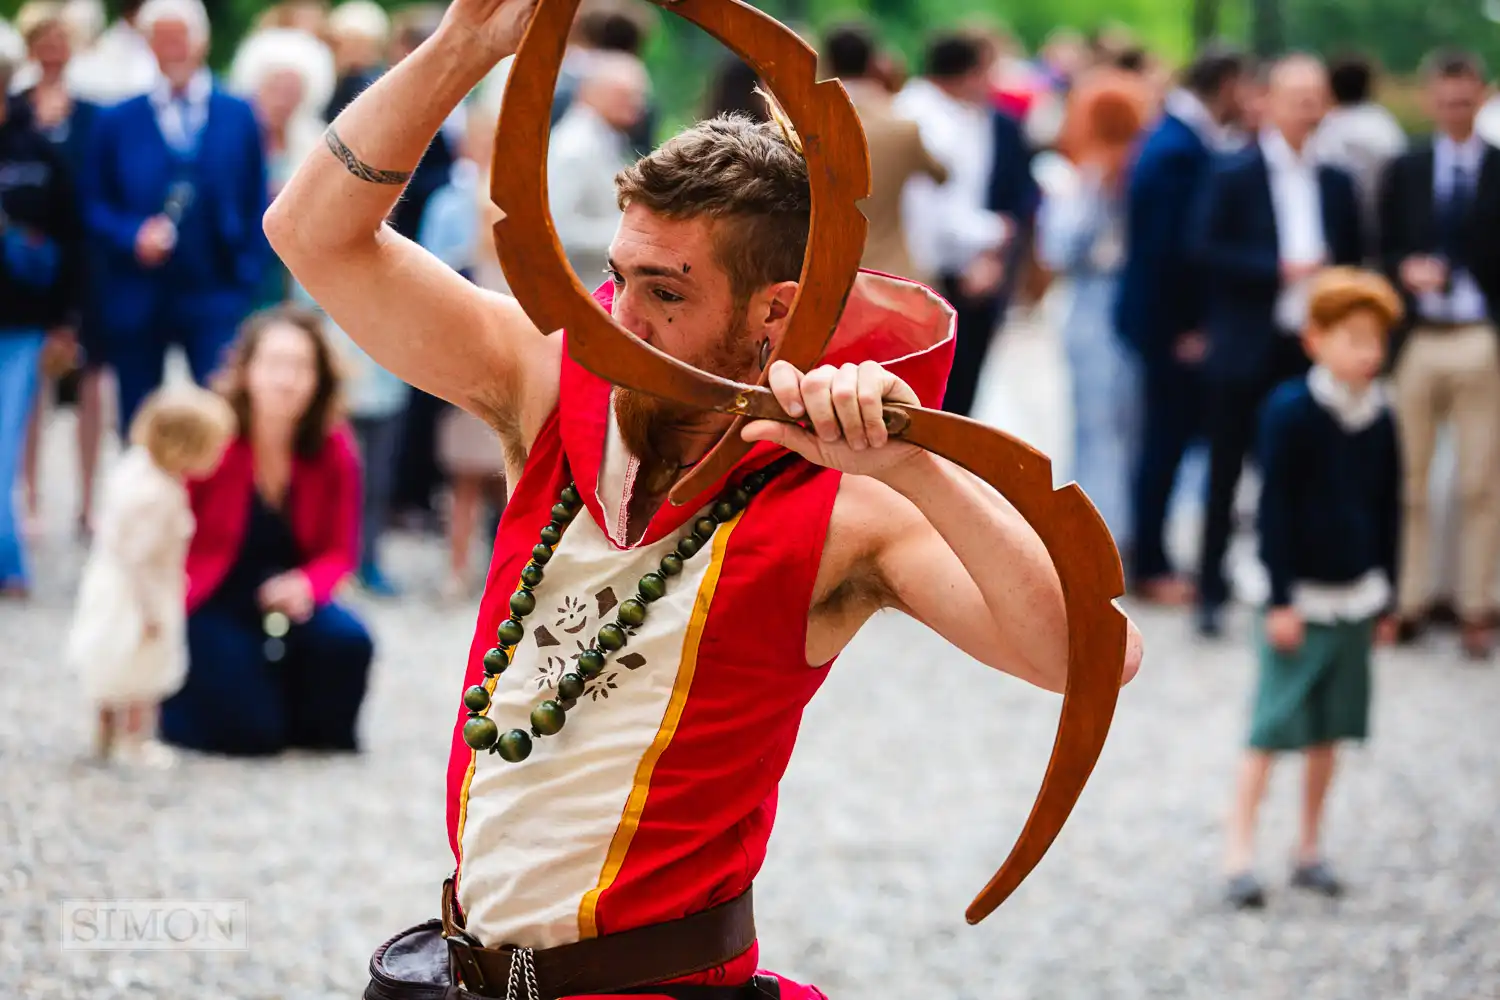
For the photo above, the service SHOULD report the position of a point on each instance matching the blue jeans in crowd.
(380, 447)
(1106, 381)
(20, 358)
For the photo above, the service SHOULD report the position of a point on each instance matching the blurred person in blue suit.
(1159, 309)
(174, 192)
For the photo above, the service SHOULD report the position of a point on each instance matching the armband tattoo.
(358, 167)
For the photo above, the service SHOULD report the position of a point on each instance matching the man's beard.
(657, 430)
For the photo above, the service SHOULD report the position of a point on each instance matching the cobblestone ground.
(912, 778)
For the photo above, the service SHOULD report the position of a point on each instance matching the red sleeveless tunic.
(658, 797)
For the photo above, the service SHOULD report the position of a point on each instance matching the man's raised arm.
(411, 313)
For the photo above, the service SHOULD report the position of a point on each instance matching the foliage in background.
(1397, 32)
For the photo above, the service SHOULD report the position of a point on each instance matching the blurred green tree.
(1397, 32)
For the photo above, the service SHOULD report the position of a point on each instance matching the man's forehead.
(653, 243)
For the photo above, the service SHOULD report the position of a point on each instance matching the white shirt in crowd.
(1488, 122)
(1465, 302)
(1298, 204)
(1361, 139)
(584, 155)
(182, 118)
(1188, 108)
(948, 225)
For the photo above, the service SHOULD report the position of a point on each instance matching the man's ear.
(774, 309)
(1310, 338)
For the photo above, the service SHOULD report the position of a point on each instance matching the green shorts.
(1319, 694)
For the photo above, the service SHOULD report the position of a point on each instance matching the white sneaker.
(150, 755)
(454, 589)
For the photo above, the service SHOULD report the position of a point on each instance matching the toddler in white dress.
(128, 639)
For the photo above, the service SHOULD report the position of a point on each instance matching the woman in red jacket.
(273, 661)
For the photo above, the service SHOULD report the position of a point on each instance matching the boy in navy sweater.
(1329, 530)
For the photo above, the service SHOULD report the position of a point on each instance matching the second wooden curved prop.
(1072, 530)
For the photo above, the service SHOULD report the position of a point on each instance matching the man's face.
(177, 52)
(1248, 103)
(1228, 105)
(620, 99)
(1454, 101)
(1067, 56)
(354, 52)
(974, 86)
(1297, 101)
(51, 48)
(671, 291)
(279, 97)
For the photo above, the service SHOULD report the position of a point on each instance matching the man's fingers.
(873, 382)
(788, 436)
(785, 382)
(817, 396)
(846, 406)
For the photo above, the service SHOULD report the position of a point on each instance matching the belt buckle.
(521, 982)
(464, 969)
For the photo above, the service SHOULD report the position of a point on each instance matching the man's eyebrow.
(648, 270)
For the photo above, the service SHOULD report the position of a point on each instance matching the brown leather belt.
(643, 956)
(1448, 325)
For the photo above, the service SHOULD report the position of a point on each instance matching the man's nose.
(624, 311)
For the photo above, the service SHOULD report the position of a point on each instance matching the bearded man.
(680, 645)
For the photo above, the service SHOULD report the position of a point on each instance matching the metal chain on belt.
(521, 984)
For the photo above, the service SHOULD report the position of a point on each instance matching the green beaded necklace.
(548, 718)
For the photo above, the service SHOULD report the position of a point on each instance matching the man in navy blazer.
(1269, 218)
(1159, 311)
(173, 193)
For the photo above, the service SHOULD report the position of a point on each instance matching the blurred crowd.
(1170, 217)
(1173, 223)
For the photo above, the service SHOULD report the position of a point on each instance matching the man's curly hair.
(751, 176)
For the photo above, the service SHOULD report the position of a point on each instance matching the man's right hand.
(1294, 271)
(154, 241)
(492, 27)
(1191, 347)
(1421, 274)
(983, 277)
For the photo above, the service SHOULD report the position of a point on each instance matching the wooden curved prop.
(838, 164)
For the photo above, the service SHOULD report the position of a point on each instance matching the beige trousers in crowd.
(1450, 374)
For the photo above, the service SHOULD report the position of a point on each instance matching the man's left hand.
(840, 410)
(59, 352)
